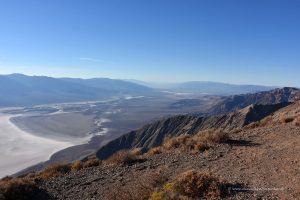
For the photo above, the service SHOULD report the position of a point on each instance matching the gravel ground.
(262, 163)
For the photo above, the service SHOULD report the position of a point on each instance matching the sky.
(232, 41)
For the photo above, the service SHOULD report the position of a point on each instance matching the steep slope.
(261, 163)
(290, 114)
(235, 102)
(255, 163)
(153, 134)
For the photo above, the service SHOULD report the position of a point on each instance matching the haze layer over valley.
(80, 128)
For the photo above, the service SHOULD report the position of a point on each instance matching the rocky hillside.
(153, 134)
(235, 102)
(255, 162)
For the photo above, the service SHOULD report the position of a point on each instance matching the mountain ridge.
(23, 90)
(152, 135)
(235, 102)
(207, 87)
(238, 115)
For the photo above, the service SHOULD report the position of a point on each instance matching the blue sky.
(255, 41)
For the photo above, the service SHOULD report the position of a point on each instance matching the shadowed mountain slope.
(235, 102)
(152, 135)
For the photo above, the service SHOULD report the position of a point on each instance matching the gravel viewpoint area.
(261, 163)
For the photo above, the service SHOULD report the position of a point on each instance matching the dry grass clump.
(91, 163)
(192, 185)
(136, 152)
(288, 120)
(154, 151)
(176, 142)
(54, 171)
(265, 121)
(123, 157)
(17, 189)
(76, 165)
(195, 143)
(212, 136)
(252, 125)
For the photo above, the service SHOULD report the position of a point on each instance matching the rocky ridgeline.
(235, 102)
(153, 135)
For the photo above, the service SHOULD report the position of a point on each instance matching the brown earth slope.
(260, 163)
(152, 135)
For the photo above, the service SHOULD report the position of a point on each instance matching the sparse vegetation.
(17, 189)
(136, 152)
(252, 125)
(191, 185)
(94, 162)
(154, 151)
(54, 170)
(213, 136)
(286, 120)
(265, 121)
(123, 157)
(191, 143)
(76, 165)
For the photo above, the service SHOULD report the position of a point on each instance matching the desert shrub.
(136, 151)
(76, 165)
(286, 120)
(265, 121)
(191, 143)
(199, 147)
(159, 196)
(175, 142)
(184, 143)
(17, 189)
(154, 151)
(54, 170)
(91, 163)
(123, 157)
(192, 185)
(212, 136)
(252, 125)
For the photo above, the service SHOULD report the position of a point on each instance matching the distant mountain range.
(22, 90)
(206, 87)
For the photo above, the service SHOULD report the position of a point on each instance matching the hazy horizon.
(149, 82)
(254, 42)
